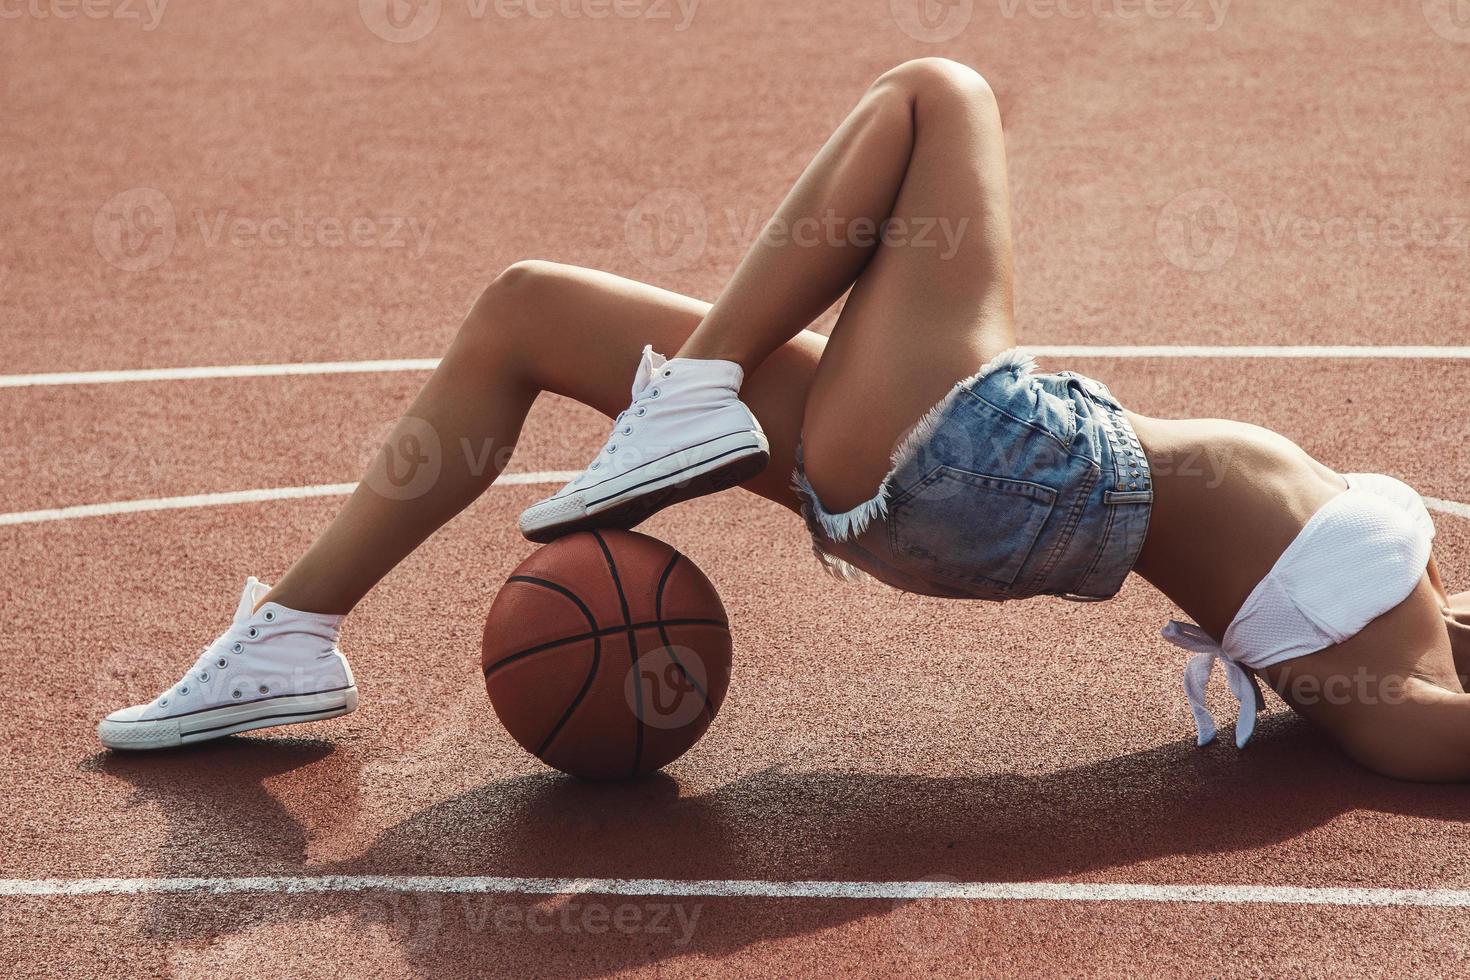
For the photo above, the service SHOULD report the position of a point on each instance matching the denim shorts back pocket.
(968, 526)
(1119, 536)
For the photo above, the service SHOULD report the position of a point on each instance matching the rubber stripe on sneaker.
(251, 721)
(618, 476)
(703, 462)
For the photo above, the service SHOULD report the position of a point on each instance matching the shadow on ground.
(1173, 800)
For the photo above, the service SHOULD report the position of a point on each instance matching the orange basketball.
(606, 654)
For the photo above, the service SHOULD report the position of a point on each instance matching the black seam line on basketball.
(604, 631)
(665, 476)
(596, 652)
(560, 590)
(342, 709)
(221, 707)
(665, 456)
(612, 566)
(663, 634)
(571, 708)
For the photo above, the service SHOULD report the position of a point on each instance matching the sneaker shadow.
(1171, 801)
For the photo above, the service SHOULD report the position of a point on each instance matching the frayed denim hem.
(849, 524)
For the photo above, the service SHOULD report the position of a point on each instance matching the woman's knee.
(513, 303)
(521, 286)
(926, 80)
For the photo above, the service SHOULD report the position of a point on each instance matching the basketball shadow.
(1172, 801)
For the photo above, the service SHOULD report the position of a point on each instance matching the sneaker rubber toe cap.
(127, 714)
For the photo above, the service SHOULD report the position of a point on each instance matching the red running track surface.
(1259, 179)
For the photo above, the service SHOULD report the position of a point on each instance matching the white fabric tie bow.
(1197, 678)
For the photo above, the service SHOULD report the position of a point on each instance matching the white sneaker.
(273, 666)
(686, 434)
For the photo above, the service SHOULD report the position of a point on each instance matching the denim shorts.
(1016, 484)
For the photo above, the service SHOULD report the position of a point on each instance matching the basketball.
(606, 654)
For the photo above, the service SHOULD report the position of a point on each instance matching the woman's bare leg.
(923, 149)
(922, 152)
(538, 327)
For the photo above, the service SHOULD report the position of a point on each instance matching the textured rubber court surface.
(1256, 174)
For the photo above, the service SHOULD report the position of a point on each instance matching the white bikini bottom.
(1360, 555)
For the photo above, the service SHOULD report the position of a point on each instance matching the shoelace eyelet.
(270, 615)
(612, 449)
(595, 465)
(204, 677)
(163, 702)
(642, 411)
(654, 393)
(238, 647)
(236, 695)
(221, 663)
(627, 430)
(252, 632)
(184, 690)
(669, 372)
(264, 689)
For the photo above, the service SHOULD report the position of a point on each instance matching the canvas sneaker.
(686, 434)
(273, 666)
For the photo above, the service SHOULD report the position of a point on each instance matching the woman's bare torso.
(1229, 497)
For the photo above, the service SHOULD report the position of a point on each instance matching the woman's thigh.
(578, 333)
(933, 304)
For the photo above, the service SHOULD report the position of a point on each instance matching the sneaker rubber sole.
(631, 498)
(228, 719)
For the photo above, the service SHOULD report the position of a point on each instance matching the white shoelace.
(644, 391)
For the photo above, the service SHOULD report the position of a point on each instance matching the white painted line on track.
(1452, 507)
(429, 363)
(219, 371)
(1306, 352)
(237, 497)
(1041, 891)
(1448, 506)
